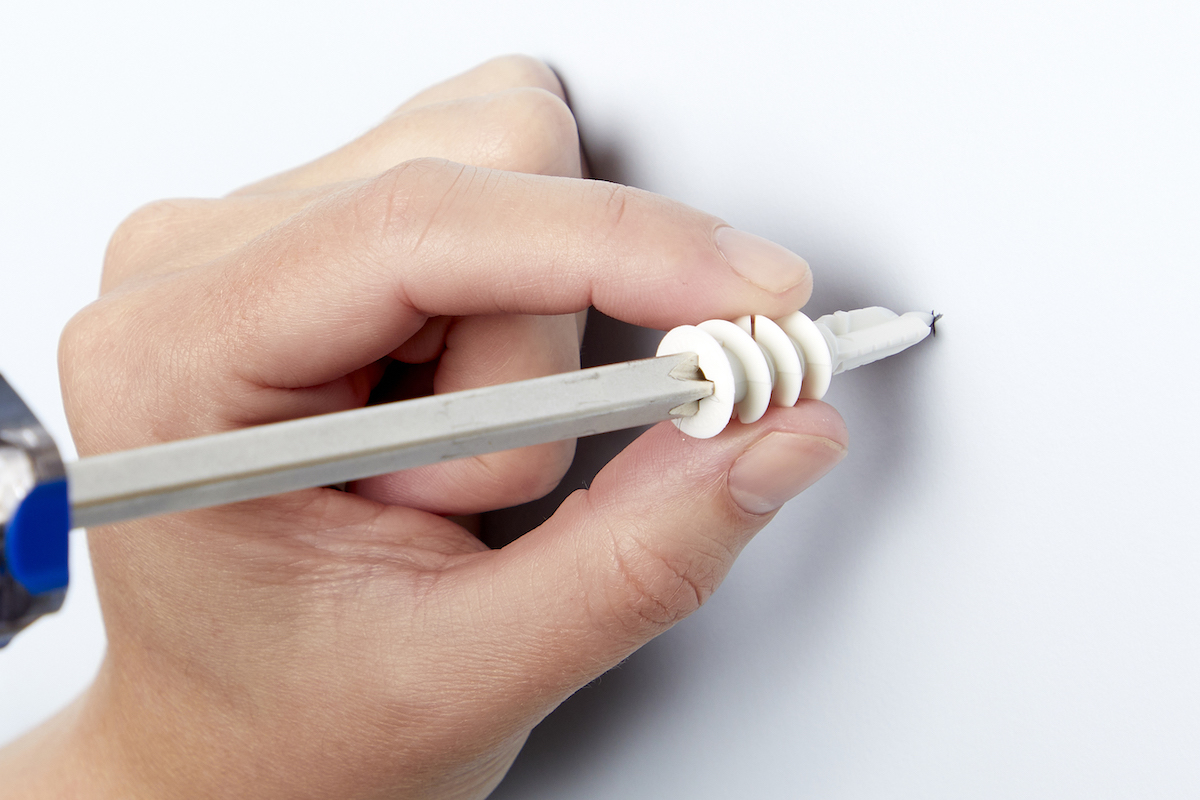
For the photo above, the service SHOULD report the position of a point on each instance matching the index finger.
(349, 279)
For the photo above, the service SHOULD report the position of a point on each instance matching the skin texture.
(362, 643)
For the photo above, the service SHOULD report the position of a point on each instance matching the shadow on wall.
(884, 411)
(792, 599)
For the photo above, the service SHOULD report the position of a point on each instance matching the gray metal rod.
(334, 448)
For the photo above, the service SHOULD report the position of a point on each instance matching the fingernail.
(761, 261)
(778, 467)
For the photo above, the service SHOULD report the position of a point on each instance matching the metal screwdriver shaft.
(334, 448)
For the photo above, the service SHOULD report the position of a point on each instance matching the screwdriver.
(703, 376)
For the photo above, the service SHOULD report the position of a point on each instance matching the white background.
(995, 595)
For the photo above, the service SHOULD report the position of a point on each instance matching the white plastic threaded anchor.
(755, 362)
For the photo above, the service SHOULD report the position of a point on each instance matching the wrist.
(72, 754)
(112, 742)
(137, 734)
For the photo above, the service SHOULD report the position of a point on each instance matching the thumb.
(648, 543)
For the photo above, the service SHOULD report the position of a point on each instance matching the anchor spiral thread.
(754, 362)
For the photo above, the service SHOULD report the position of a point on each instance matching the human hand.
(361, 644)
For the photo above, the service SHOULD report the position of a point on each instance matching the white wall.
(995, 596)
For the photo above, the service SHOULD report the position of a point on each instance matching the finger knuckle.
(143, 347)
(410, 182)
(616, 205)
(397, 195)
(681, 236)
(406, 203)
(416, 174)
(658, 583)
(74, 344)
(517, 69)
(93, 358)
(534, 132)
(144, 232)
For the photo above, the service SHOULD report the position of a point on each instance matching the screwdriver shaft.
(334, 448)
